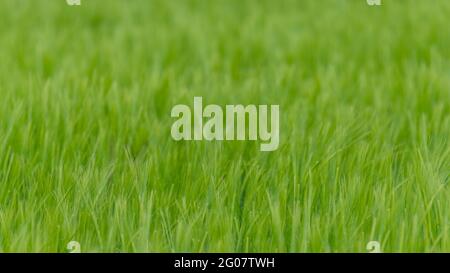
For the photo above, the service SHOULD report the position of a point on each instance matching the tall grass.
(85, 146)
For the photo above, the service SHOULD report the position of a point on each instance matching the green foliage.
(85, 146)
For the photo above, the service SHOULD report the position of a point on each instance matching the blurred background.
(85, 147)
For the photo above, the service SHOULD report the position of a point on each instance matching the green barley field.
(86, 152)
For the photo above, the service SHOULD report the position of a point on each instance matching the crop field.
(86, 152)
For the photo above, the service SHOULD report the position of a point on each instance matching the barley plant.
(86, 154)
